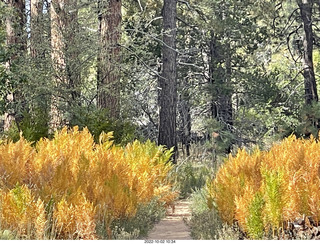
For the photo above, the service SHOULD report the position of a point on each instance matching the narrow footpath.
(173, 227)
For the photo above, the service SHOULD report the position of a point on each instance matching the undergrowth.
(70, 186)
(205, 223)
(138, 226)
(190, 176)
(263, 190)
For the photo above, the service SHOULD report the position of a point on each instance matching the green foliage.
(190, 177)
(255, 222)
(274, 198)
(309, 123)
(138, 226)
(225, 138)
(205, 223)
(2, 55)
(97, 121)
(199, 201)
(20, 200)
(33, 127)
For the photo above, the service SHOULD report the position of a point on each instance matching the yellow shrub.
(75, 220)
(286, 179)
(16, 163)
(21, 213)
(86, 183)
(240, 172)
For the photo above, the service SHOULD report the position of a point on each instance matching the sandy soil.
(173, 226)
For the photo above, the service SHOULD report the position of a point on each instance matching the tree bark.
(16, 43)
(226, 97)
(36, 30)
(213, 56)
(168, 83)
(185, 130)
(220, 80)
(220, 73)
(109, 57)
(311, 94)
(58, 63)
(64, 55)
(72, 51)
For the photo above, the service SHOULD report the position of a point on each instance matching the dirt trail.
(173, 226)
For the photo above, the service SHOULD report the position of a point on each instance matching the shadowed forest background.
(204, 78)
(245, 70)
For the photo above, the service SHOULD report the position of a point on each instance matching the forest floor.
(173, 226)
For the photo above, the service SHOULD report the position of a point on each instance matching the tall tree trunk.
(185, 115)
(168, 79)
(72, 50)
(58, 62)
(16, 43)
(226, 97)
(109, 56)
(36, 28)
(220, 80)
(213, 72)
(220, 71)
(311, 94)
(64, 54)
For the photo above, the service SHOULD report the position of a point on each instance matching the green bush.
(199, 201)
(96, 120)
(138, 226)
(34, 126)
(190, 177)
(205, 223)
(254, 222)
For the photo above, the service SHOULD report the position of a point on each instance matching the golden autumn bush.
(266, 189)
(20, 211)
(68, 185)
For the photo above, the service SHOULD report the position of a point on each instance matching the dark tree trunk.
(72, 51)
(220, 71)
(311, 94)
(213, 57)
(16, 43)
(109, 56)
(220, 81)
(226, 97)
(185, 129)
(168, 84)
(36, 29)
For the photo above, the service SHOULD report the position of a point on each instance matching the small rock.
(315, 231)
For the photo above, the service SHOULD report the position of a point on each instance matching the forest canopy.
(175, 72)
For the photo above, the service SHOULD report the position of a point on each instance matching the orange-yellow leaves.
(287, 177)
(87, 182)
(20, 212)
(75, 220)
